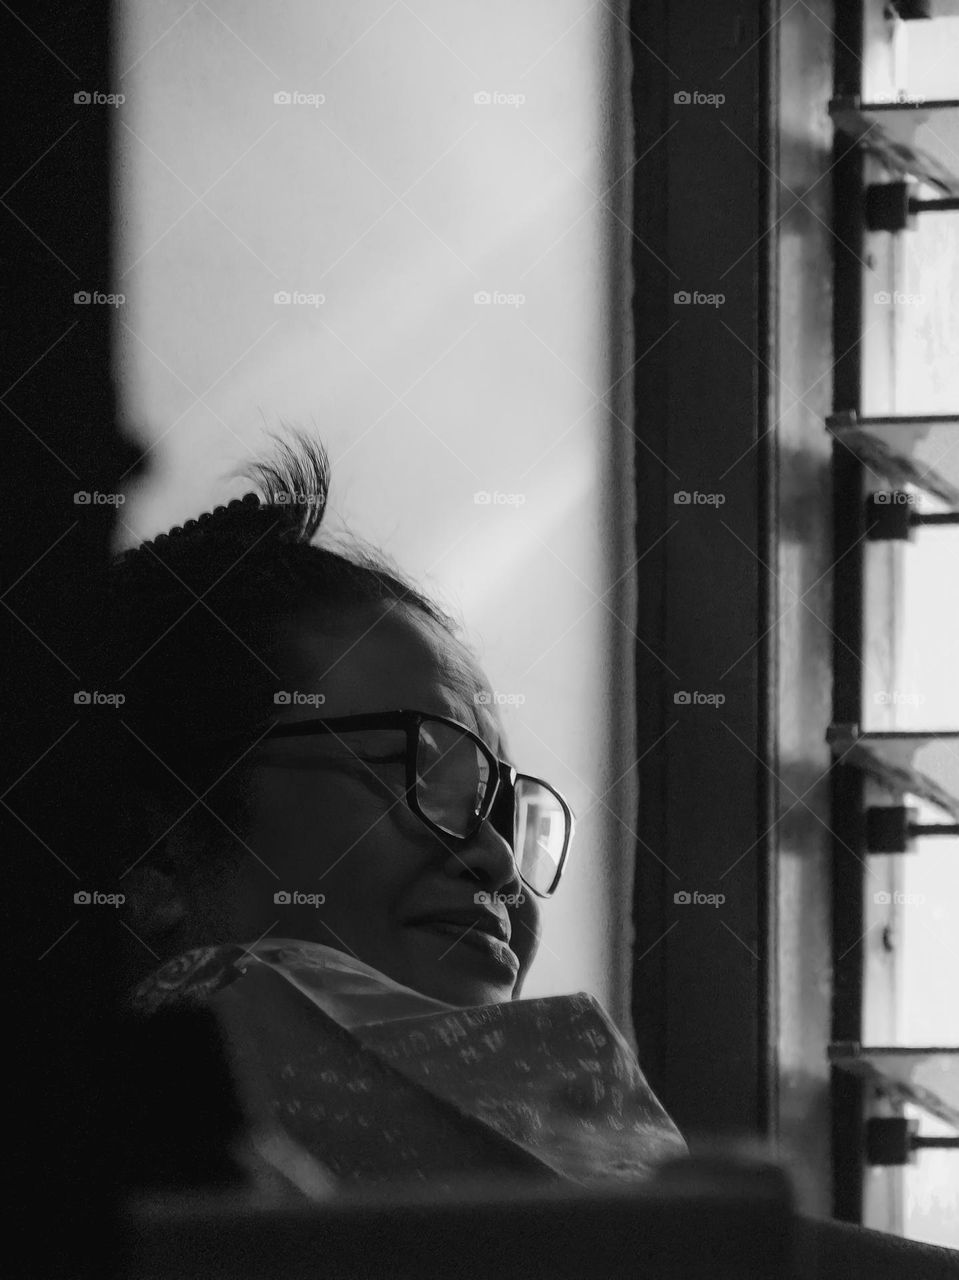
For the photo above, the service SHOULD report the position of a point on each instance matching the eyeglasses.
(454, 782)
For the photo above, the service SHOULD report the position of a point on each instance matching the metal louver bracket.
(895, 828)
(887, 131)
(925, 765)
(910, 10)
(922, 450)
(896, 206)
(926, 1077)
(892, 517)
(894, 1140)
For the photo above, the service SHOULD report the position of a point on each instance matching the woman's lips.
(475, 941)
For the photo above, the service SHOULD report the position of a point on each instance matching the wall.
(399, 198)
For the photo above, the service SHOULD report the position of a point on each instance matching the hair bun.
(228, 521)
(295, 488)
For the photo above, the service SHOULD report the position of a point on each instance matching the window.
(909, 680)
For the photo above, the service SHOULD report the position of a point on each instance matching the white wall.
(399, 198)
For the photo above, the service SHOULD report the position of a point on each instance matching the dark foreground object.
(835, 1249)
(698, 1220)
(740, 1230)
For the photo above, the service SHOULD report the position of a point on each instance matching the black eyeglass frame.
(497, 803)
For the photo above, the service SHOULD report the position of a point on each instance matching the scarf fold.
(379, 1082)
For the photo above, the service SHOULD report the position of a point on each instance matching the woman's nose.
(486, 858)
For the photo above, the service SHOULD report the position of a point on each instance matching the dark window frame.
(703, 1000)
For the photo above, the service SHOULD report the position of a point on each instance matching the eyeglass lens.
(540, 827)
(453, 777)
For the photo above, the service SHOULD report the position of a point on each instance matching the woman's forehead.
(381, 658)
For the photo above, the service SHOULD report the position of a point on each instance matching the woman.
(323, 839)
(323, 843)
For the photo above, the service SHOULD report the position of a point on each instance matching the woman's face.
(325, 823)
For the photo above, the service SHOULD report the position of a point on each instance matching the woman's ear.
(162, 850)
(156, 904)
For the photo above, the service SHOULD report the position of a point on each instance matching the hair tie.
(221, 521)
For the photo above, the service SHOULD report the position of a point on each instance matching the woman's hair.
(195, 616)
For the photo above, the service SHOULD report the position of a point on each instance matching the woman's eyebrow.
(468, 710)
(489, 730)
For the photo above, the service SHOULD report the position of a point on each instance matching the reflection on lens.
(540, 834)
(452, 776)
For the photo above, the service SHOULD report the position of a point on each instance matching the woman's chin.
(462, 973)
(465, 994)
